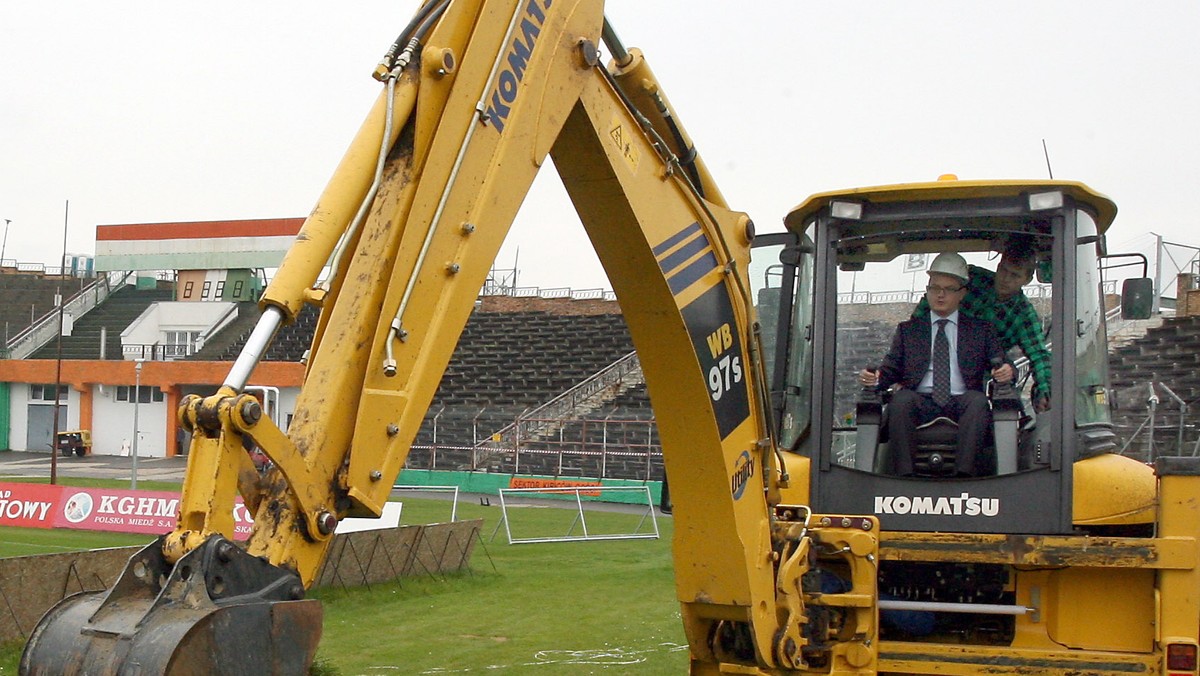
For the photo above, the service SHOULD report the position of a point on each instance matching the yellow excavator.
(794, 553)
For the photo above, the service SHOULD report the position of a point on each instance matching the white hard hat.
(949, 263)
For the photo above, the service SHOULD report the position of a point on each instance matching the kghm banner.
(104, 509)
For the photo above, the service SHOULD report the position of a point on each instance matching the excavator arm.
(477, 95)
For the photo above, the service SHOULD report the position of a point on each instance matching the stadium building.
(543, 381)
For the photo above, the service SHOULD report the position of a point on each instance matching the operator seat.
(934, 454)
(935, 445)
(936, 440)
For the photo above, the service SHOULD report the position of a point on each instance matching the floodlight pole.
(58, 300)
(4, 246)
(137, 398)
(1156, 307)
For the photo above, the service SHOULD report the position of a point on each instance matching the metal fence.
(545, 419)
(1156, 435)
(156, 352)
(617, 446)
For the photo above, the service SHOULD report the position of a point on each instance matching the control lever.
(868, 415)
(1006, 415)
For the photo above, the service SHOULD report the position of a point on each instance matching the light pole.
(137, 398)
(5, 244)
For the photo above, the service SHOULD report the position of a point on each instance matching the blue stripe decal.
(676, 239)
(694, 271)
(687, 251)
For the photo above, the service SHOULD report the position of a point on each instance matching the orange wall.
(165, 375)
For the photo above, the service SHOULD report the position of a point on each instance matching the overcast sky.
(156, 111)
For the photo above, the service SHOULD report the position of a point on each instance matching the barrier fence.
(615, 447)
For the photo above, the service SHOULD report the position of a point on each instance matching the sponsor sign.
(103, 509)
(525, 482)
(28, 505)
(125, 511)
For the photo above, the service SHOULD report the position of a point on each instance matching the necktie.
(941, 365)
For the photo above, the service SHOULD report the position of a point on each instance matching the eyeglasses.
(935, 290)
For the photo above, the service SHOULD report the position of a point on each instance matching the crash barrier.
(580, 520)
(30, 585)
(359, 559)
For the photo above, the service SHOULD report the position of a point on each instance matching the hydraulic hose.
(414, 31)
(418, 27)
(688, 154)
(397, 330)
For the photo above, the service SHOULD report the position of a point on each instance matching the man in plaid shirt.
(998, 298)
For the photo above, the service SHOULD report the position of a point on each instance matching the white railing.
(608, 380)
(558, 292)
(493, 288)
(216, 327)
(915, 295)
(156, 352)
(44, 329)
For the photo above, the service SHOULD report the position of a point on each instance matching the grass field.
(26, 541)
(605, 607)
(86, 482)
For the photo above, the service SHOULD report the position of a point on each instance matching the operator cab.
(853, 265)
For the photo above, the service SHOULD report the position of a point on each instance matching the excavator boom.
(477, 94)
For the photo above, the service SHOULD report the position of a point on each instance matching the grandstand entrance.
(40, 434)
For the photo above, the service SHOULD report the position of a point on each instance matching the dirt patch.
(493, 639)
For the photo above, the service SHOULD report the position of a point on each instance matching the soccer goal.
(418, 489)
(562, 517)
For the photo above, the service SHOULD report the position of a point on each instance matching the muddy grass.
(605, 607)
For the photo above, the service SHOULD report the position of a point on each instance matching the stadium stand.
(514, 355)
(109, 318)
(218, 348)
(1168, 354)
(506, 364)
(290, 344)
(27, 296)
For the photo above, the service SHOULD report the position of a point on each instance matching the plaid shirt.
(1015, 320)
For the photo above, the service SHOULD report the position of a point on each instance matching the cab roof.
(1103, 209)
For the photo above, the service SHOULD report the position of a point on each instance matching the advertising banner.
(103, 509)
(28, 505)
(125, 511)
(532, 482)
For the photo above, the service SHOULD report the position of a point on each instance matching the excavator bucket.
(217, 606)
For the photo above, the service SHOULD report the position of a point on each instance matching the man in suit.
(999, 297)
(940, 362)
